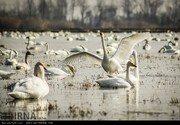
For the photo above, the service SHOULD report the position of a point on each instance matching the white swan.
(31, 87)
(63, 53)
(58, 72)
(118, 82)
(6, 74)
(49, 52)
(134, 78)
(11, 60)
(168, 48)
(34, 47)
(7, 52)
(25, 65)
(176, 54)
(79, 48)
(112, 64)
(146, 45)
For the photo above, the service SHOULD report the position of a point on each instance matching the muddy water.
(80, 97)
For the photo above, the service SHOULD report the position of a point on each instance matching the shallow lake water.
(157, 97)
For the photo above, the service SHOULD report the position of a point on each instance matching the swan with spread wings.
(112, 64)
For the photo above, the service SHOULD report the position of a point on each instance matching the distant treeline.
(42, 15)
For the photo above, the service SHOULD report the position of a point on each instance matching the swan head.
(101, 34)
(39, 70)
(170, 43)
(130, 64)
(29, 53)
(72, 69)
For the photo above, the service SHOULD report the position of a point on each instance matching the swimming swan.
(118, 82)
(31, 87)
(25, 65)
(11, 60)
(146, 45)
(58, 72)
(134, 78)
(112, 64)
(168, 48)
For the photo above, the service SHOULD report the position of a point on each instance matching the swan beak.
(101, 34)
(45, 69)
(43, 66)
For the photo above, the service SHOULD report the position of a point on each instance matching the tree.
(61, 9)
(84, 7)
(30, 8)
(43, 9)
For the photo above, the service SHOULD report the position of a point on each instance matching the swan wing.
(83, 56)
(127, 44)
(56, 71)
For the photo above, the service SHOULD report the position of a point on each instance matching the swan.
(118, 82)
(49, 52)
(63, 52)
(79, 48)
(133, 78)
(11, 60)
(176, 54)
(34, 86)
(58, 72)
(6, 74)
(168, 48)
(146, 46)
(34, 47)
(25, 65)
(114, 63)
(8, 51)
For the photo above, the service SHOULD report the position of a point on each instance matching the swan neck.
(104, 48)
(26, 59)
(27, 47)
(39, 72)
(10, 54)
(136, 71)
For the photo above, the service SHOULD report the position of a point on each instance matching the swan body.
(113, 83)
(79, 48)
(114, 63)
(176, 54)
(58, 72)
(6, 74)
(31, 87)
(63, 53)
(117, 82)
(168, 48)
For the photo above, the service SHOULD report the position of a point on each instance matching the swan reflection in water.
(125, 99)
(29, 109)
